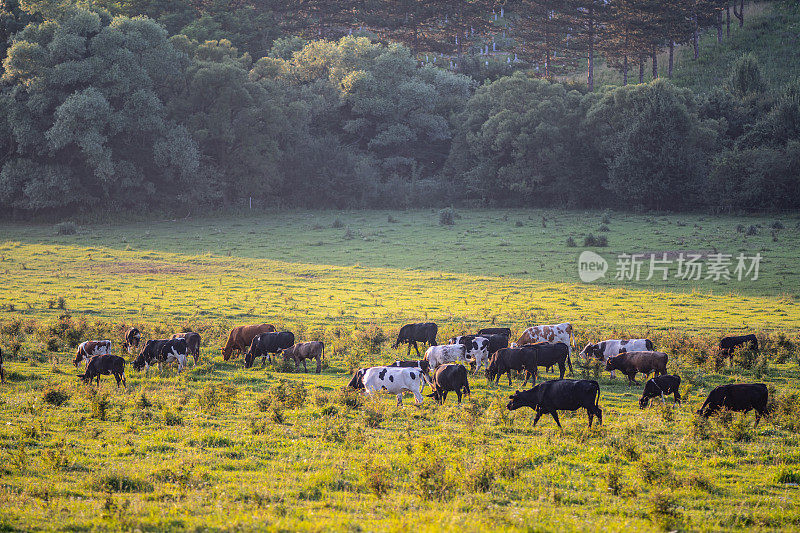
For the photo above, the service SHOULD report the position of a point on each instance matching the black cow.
(495, 331)
(2, 370)
(660, 386)
(132, 338)
(549, 355)
(449, 378)
(148, 356)
(507, 359)
(560, 395)
(105, 365)
(267, 344)
(410, 334)
(737, 397)
(728, 344)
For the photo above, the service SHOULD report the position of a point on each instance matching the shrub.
(479, 478)
(432, 482)
(785, 410)
(777, 224)
(286, 394)
(519, 223)
(376, 478)
(752, 230)
(100, 406)
(349, 234)
(55, 396)
(335, 430)
(740, 228)
(349, 397)
(276, 413)
(614, 481)
(373, 414)
(116, 481)
(391, 220)
(788, 476)
(606, 217)
(663, 508)
(212, 397)
(591, 240)
(172, 418)
(142, 401)
(571, 242)
(66, 228)
(370, 339)
(337, 223)
(447, 216)
(603, 228)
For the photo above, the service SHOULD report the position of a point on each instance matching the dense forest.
(154, 104)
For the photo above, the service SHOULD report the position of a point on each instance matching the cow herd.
(442, 366)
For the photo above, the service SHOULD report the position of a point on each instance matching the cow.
(495, 341)
(266, 344)
(661, 386)
(240, 337)
(422, 364)
(611, 347)
(449, 378)
(161, 351)
(560, 395)
(446, 353)
(477, 349)
(549, 355)
(89, 349)
(410, 334)
(495, 331)
(305, 350)
(631, 363)
(505, 360)
(132, 338)
(104, 365)
(728, 344)
(192, 344)
(2, 370)
(552, 334)
(394, 380)
(737, 397)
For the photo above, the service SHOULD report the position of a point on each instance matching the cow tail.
(597, 397)
(323, 351)
(569, 362)
(571, 336)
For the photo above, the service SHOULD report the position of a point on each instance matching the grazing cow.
(89, 349)
(495, 341)
(132, 338)
(394, 380)
(422, 364)
(495, 331)
(728, 344)
(305, 350)
(737, 397)
(552, 334)
(240, 338)
(611, 347)
(2, 370)
(192, 343)
(560, 395)
(446, 353)
(105, 365)
(631, 363)
(161, 351)
(661, 386)
(505, 360)
(477, 347)
(410, 334)
(267, 344)
(449, 378)
(549, 355)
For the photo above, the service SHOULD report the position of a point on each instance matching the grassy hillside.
(770, 32)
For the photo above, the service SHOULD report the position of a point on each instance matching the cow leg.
(509, 377)
(444, 397)
(409, 350)
(417, 396)
(677, 397)
(537, 417)
(562, 368)
(319, 365)
(591, 416)
(400, 399)
(416, 348)
(612, 375)
(305, 367)
(555, 417)
(759, 414)
(458, 393)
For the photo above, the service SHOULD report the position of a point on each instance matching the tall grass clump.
(447, 216)
(66, 228)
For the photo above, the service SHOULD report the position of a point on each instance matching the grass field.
(221, 448)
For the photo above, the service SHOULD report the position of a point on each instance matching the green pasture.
(221, 448)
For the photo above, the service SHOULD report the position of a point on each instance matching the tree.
(85, 118)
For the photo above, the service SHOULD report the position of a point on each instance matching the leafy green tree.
(520, 140)
(85, 119)
(655, 147)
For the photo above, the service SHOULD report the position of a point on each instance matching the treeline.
(101, 113)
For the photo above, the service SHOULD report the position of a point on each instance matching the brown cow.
(240, 338)
(192, 343)
(89, 349)
(631, 363)
(305, 350)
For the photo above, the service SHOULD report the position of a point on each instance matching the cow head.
(611, 364)
(356, 382)
(425, 366)
(78, 359)
(249, 358)
(643, 401)
(521, 399)
(591, 350)
(491, 368)
(84, 378)
(436, 395)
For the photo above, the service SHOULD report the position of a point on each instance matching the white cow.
(445, 353)
(392, 379)
(478, 349)
(550, 333)
(609, 348)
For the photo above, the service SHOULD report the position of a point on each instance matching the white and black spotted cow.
(394, 380)
(446, 353)
(478, 348)
(161, 351)
(609, 348)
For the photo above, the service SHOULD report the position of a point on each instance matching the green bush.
(66, 228)
(118, 481)
(55, 396)
(447, 216)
